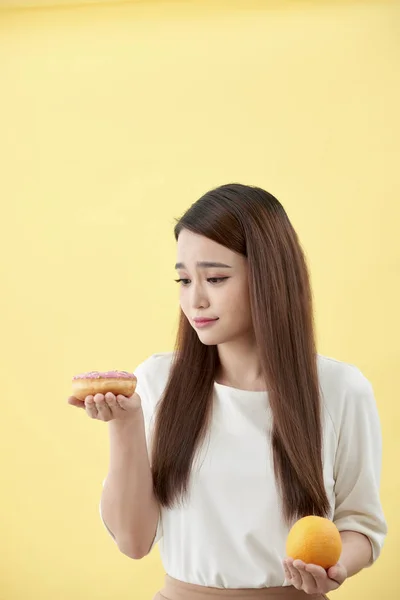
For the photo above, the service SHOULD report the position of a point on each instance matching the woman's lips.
(200, 322)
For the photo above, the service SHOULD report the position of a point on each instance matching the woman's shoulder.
(344, 386)
(160, 360)
(153, 372)
(341, 375)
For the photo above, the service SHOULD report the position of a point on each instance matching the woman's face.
(213, 292)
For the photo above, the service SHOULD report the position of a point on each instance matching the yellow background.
(113, 120)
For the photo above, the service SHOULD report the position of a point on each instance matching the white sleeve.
(358, 467)
(142, 373)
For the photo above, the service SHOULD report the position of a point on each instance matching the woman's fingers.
(101, 407)
(295, 575)
(76, 402)
(309, 583)
(288, 574)
(310, 578)
(109, 406)
(318, 573)
(124, 403)
(113, 404)
(103, 410)
(91, 408)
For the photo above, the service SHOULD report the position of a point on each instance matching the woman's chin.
(208, 338)
(208, 341)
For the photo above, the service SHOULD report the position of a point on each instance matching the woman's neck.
(239, 366)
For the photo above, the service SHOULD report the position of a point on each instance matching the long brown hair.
(252, 222)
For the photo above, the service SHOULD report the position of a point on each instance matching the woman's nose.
(199, 297)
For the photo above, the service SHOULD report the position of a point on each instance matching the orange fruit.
(314, 540)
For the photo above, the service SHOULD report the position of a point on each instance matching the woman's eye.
(216, 279)
(213, 280)
(182, 281)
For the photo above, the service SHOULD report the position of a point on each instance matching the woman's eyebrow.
(205, 265)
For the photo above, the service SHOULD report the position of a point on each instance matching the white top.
(230, 533)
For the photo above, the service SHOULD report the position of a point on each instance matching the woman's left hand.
(313, 579)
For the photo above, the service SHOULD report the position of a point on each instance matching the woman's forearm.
(129, 507)
(356, 552)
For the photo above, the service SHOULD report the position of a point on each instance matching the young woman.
(244, 428)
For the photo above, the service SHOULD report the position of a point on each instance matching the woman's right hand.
(108, 407)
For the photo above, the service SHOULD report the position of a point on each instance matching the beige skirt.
(178, 590)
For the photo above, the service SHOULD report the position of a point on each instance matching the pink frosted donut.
(96, 382)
